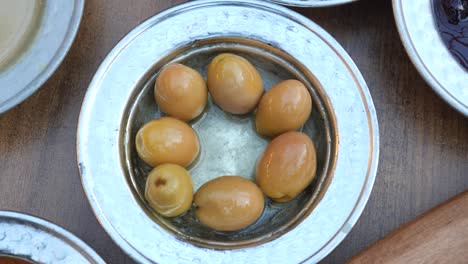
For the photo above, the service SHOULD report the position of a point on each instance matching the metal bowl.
(59, 22)
(34, 239)
(282, 45)
(426, 49)
(311, 3)
(229, 143)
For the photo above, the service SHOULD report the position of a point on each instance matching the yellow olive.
(287, 166)
(181, 92)
(228, 203)
(285, 107)
(234, 83)
(169, 190)
(167, 140)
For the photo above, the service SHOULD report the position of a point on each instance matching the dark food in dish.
(13, 260)
(452, 21)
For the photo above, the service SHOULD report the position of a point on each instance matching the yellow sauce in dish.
(19, 20)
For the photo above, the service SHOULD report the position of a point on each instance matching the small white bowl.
(426, 49)
(59, 24)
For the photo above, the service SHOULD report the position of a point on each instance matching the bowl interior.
(229, 143)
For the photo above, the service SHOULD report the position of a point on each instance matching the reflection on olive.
(181, 92)
(285, 107)
(169, 190)
(228, 203)
(287, 166)
(167, 140)
(234, 83)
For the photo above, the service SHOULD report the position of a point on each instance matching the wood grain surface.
(438, 236)
(424, 142)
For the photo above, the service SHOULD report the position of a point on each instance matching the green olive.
(169, 190)
(287, 166)
(285, 107)
(181, 92)
(167, 140)
(234, 83)
(228, 203)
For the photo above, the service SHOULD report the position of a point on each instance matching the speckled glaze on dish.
(39, 241)
(420, 36)
(282, 45)
(59, 24)
(311, 3)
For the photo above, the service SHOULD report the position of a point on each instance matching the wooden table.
(424, 142)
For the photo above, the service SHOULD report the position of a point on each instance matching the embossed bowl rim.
(100, 130)
(312, 3)
(41, 230)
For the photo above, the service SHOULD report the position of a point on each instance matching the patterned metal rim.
(40, 241)
(100, 125)
(312, 3)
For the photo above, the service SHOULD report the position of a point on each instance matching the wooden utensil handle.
(438, 236)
